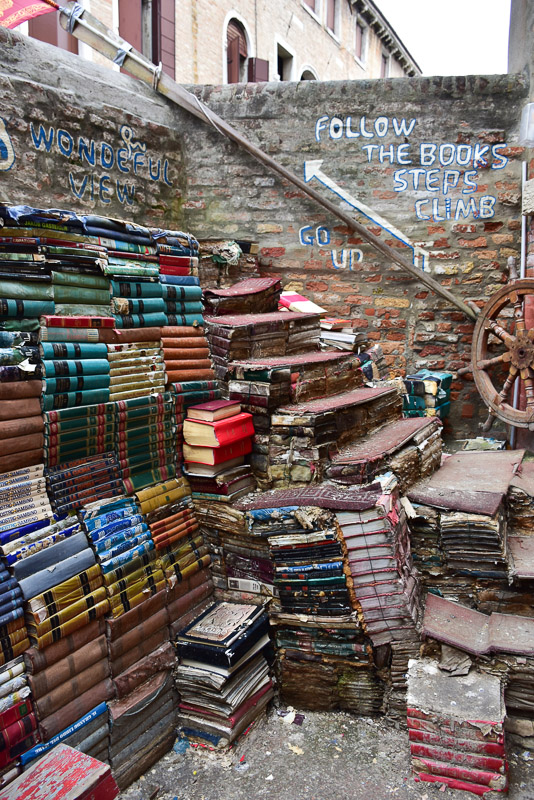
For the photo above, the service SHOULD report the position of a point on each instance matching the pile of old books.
(427, 394)
(222, 263)
(18, 723)
(223, 672)
(456, 728)
(340, 334)
(144, 439)
(186, 354)
(21, 422)
(218, 435)
(324, 658)
(303, 435)
(244, 336)
(75, 483)
(410, 448)
(251, 296)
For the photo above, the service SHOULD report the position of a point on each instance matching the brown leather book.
(79, 706)
(143, 648)
(21, 427)
(186, 608)
(62, 671)
(180, 330)
(159, 660)
(175, 364)
(22, 444)
(15, 390)
(37, 660)
(179, 375)
(118, 627)
(158, 622)
(55, 700)
(187, 342)
(185, 353)
(20, 460)
(21, 407)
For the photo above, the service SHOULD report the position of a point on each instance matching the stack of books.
(324, 658)
(223, 263)
(145, 431)
(21, 422)
(18, 723)
(217, 437)
(428, 394)
(444, 721)
(303, 435)
(243, 336)
(223, 672)
(410, 448)
(340, 334)
(186, 354)
(251, 296)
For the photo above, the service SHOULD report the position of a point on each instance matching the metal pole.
(88, 29)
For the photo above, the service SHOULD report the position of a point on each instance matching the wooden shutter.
(331, 15)
(232, 55)
(130, 23)
(164, 35)
(258, 70)
(47, 28)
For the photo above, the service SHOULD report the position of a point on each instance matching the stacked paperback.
(340, 334)
(223, 672)
(428, 394)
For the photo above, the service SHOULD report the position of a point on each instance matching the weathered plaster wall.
(435, 158)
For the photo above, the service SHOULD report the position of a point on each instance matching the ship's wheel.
(502, 355)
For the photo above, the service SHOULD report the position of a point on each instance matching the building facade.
(234, 41)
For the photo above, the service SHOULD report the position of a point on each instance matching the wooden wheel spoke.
(500, 332)
(528, 380)
(489, 362)
(509, 382)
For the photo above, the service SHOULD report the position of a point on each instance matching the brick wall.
(462, 217)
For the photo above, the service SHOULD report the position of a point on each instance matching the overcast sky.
(452, 37)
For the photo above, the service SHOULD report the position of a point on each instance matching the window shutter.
(258, 70)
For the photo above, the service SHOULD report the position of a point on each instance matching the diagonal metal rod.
(91, 31)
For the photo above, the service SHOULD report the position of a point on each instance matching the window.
(331, 15)
(284, 60)
(311, 4)
(236, 51)
(384, 66)
(308, 75)
(359, 43)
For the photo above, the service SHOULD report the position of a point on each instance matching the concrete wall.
(431, 161)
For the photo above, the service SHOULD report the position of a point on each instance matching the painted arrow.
(312, 169)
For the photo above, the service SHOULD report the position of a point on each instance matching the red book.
(214, 410)
(15, 713)
(178, 261)
(166, 269)
(17, 732)
(77, 322)
(217, 455)
(63, 774)
(220, 432)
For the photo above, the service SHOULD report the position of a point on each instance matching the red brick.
(395, 336)
(427, 315)
(464, 228)
(273, 252)
(421, 295)
(492, 227)
(480, 241)
(370, 312)
(433, 229)
(444, 327)
(468, 410)
(430, 350)
(317, 286)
